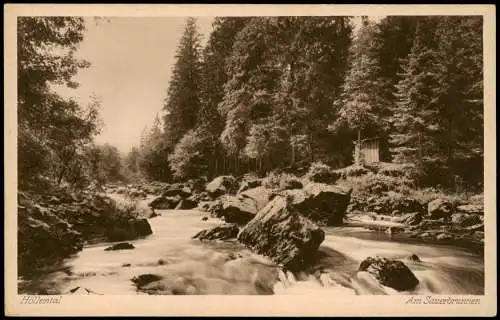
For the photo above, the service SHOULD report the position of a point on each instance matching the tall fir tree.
(438, 122)
(416, 123)
(362, 106)
(199, 152)
(461, 96)
(182, 103)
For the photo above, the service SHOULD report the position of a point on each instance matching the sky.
(131, 62)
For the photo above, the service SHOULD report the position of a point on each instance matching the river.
(189, 266)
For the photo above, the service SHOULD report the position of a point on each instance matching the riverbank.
(58, 223)
(245, 214)
(187, 266)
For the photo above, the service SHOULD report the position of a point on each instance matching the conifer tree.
(182, 103)
(416, 120)
(362, 104)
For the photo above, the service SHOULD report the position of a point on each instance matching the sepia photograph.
(333, 155)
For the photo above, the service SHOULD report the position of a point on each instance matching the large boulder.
(220, 232)
(42, 236)
(236, 209)
(260, 195)
(221, 185)
(177, 190)
(128, 230)
(322, 203)
(142, 227)
(390, 273)
(439, 208)
(186, 204)
(279, 232)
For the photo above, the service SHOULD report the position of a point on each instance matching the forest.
(260, 128)
(269, 93)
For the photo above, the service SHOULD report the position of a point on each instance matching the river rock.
(154, 214)
(221, 185)
(175, 191)
(260, 195)
(134, 193)
(236, 209)
(120, 246)
(205, 205)
(128, 230)
(186, 204)
(279, 232)
(413, 258)
(142, 227)
(322, 203)
(476, 227)
(290, 184)
(439, 208)
(465, 219)
(220, 232)
(145, 279)
(81, 290)
(477, 209)
(165, 203)
(412, 219)
(444, 236)
(390, 273)
(199, 197)
(42, 236)
(249, 184)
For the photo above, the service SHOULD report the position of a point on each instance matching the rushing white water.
(188, 266)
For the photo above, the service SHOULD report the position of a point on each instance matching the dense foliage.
(55, 134)
(267, 93)
(273, 91)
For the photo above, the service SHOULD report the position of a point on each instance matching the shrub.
(352, 171)
(322, 173)
(280, 180)
(376, 184)
(429, 194)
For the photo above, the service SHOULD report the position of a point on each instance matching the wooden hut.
(368, 151)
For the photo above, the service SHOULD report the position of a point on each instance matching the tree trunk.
(358, 155)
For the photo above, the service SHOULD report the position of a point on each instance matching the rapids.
(189, 266)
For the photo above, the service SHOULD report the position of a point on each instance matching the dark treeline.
(271, 92)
